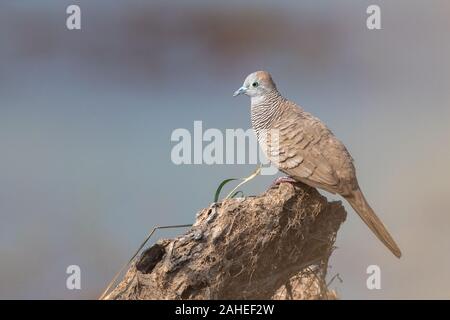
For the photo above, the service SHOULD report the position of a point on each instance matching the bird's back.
(303, 147)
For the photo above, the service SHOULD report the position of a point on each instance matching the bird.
(305, 149)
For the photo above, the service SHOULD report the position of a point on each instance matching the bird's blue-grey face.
(256, 84)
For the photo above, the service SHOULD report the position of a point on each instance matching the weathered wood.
(275, 245)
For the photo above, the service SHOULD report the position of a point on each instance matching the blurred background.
(86, 118)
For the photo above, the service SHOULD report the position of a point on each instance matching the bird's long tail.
(360, 205)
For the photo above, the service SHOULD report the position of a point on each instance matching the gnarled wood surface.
(273, 246)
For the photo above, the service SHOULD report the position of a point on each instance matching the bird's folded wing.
(297, 149)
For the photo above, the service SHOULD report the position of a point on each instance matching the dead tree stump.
(273, 246)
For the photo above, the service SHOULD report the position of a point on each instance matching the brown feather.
(362, 208)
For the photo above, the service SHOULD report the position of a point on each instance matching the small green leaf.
(221, 185)
(236, 194)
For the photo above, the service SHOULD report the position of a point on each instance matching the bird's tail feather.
(360, 205)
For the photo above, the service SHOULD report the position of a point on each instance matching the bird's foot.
(280, 180)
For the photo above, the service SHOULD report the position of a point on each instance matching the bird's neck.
(265, 110)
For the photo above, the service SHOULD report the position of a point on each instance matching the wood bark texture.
(273, 246)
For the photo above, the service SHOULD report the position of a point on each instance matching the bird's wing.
(302, 150)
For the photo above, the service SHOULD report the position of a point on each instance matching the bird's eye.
(254, 84)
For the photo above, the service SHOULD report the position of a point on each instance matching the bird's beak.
(240, 91)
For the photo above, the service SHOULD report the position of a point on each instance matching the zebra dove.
(302, 146)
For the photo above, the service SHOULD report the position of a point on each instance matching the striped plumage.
(302, 146)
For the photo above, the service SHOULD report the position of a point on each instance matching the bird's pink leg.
(285, 179)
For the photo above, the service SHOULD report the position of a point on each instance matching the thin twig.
(245, 180)
(136, 253)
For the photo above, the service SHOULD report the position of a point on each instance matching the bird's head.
(257, 84)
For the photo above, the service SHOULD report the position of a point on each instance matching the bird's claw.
(279, 180)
